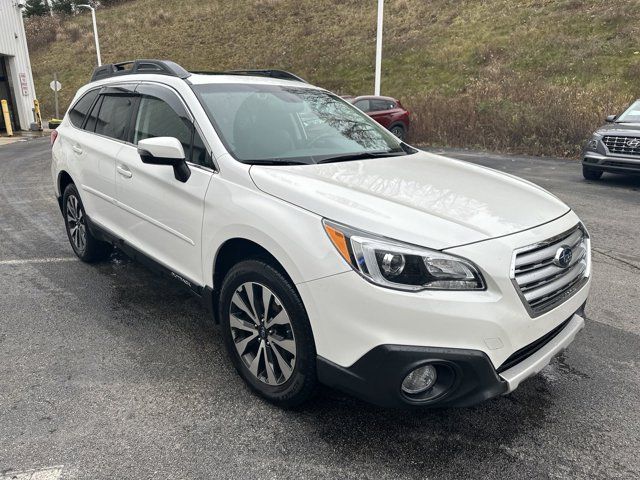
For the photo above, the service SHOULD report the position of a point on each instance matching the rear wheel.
(591, 173)
(398, 131)
(85, 245)
(267, 333)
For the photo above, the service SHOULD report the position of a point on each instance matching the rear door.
(382, 111)
(105, 130)
(162, 216)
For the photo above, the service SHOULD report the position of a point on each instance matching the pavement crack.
(632, 265)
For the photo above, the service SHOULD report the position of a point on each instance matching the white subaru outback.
(327, 249)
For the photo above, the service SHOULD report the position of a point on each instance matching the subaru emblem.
(563, 256)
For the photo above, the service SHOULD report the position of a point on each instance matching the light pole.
(379, 46)
(95, 30)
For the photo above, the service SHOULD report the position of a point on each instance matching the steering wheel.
(320, 137)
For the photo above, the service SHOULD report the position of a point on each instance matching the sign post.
(55, 86)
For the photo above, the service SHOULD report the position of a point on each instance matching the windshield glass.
(290, 124)
(631, 115)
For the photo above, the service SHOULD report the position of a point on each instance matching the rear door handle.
(77, 149)
(124, 171)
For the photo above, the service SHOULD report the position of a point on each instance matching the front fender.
(294, 236)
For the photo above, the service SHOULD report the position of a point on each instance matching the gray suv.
(614, 147)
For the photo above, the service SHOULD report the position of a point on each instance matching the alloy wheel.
(262, 333)
(77, 224)
(398, 132)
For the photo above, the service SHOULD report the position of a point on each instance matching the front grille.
(532, 348)
(617, 144)
(543, 284)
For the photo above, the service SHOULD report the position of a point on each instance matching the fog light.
(419, 380)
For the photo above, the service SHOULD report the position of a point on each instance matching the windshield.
(631, 115)
(290, 124)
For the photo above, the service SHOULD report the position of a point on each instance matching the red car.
(387, 111)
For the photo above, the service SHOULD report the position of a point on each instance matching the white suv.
(328, 250)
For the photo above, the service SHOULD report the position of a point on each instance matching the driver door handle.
(77, 149)
(124, 171)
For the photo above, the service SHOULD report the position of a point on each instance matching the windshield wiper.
(276, 161)
(361, 156)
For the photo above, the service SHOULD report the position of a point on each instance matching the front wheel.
(267, 333)
(591, 173)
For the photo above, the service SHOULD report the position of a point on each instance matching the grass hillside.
(528, 76)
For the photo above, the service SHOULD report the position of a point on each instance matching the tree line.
(65, 7)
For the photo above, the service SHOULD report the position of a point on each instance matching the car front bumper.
(357, 324)
(377, 376)
(611, 163)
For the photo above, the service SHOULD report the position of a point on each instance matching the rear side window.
(81, 108)
(114, 115)
(379, 105)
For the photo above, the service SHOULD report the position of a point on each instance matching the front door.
(162, 216)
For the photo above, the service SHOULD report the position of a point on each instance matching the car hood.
(621, 129)
(424, 199)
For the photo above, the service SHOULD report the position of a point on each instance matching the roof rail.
(271, 73)
(158, 67)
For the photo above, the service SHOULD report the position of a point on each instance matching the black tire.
(88, 248)
(591, 173)
(399, 131)
(301, 383)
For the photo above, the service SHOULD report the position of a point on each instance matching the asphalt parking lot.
(108, 371)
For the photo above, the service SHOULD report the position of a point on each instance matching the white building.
(16, 81)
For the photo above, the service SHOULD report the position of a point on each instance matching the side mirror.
(165, 151)
(611, 118)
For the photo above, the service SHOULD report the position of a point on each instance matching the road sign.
(55, 86)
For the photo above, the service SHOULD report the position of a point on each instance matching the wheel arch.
(234, 250)
(399, 123)
(64, 179)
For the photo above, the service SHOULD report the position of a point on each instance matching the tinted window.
(378, 105)
(363, 105)
(92, 118)
(82, 106)
(157, 119)
(199, 154)
(114, 115)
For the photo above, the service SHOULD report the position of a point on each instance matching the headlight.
(593, 143)
(402, 266)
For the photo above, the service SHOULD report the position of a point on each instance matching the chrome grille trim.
(541, 284)
(618, 144)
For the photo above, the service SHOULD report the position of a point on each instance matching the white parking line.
(29, 261)
(51, 473)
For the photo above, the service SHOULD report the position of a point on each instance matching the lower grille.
(623, 145)
(546, 275)
(611, 163)
(532, 348)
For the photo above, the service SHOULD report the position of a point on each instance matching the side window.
(81, 108)
(157, 119)
(92, 118)
(363, 105)
(379, 105)
(199, 153)
(113, 117)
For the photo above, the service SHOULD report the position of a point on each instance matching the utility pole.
(379, 46)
